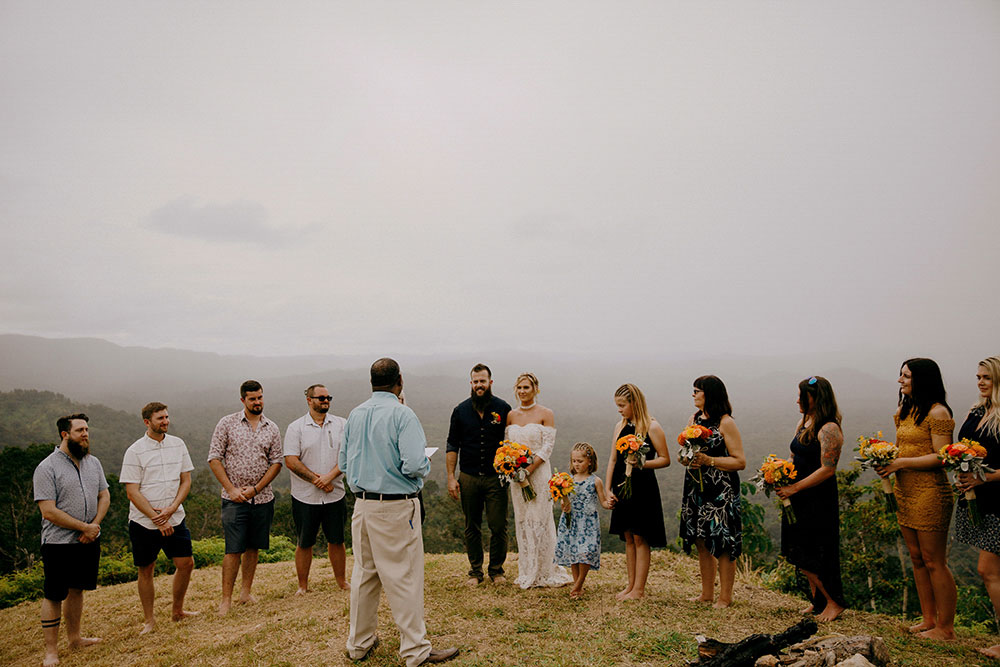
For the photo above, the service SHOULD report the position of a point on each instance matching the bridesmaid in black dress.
(812, 543)
(638, 520)
(983, 426)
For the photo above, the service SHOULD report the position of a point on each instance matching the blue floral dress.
(580, 542)
(712, 514)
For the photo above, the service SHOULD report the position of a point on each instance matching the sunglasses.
(325, 399)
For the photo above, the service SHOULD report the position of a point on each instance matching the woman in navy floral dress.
(710, 509)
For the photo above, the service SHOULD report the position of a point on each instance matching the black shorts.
(308, 518)
(69, 566)
(146, 543)
(246, 525)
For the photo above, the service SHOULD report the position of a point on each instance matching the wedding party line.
(498, 457)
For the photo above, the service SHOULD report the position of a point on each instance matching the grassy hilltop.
(492, 625)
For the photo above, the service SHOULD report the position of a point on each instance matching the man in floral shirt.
(245, 456)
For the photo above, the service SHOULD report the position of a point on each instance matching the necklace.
(528, 407)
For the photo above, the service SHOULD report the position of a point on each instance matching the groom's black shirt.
(476, 438)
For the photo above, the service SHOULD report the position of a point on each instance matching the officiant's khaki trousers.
(388, 554)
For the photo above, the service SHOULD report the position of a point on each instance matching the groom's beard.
(480, 401)
(78, 449)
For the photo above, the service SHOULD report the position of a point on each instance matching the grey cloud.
(235, 222)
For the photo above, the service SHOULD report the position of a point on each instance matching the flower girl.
(579, 541)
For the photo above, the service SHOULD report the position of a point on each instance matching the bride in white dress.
(534, 426)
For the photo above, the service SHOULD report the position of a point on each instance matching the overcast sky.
(596, 179)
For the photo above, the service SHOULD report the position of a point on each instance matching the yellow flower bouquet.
(693, 440)
(775, 473)
(561, 485)
(876, 452)
(511, 463)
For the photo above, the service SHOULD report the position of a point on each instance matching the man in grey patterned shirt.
(245, 456)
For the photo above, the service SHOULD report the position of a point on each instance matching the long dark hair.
(818, 402)
(716, 397)
(926, 389)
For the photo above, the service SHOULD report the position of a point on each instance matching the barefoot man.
(312, 445)
(156, 472)
(72, 494)
(245, 456)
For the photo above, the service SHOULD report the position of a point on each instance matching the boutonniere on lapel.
(496, 417)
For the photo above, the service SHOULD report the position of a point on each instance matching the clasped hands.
(90, 533)
(162, 520)
(324, 482)
(699, 460)
(966, 481)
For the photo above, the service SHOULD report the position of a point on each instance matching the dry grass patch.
(493, 625)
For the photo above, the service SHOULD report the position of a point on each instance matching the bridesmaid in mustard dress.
(924, 424)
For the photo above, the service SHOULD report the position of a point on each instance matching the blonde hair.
(640, 414)
(530, 377)
(991, 403)
(588, 452)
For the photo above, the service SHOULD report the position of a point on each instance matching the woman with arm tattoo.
(812, 543)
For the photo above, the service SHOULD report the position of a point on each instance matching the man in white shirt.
(312, 446)
(156, 473)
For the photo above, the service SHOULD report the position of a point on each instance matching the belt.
(368, 495)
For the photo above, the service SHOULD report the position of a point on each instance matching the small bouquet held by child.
(511, 463)
(774, 473)
(634, 450)
(561, 485)
(967, 456)
(877, 453)
(693, 440)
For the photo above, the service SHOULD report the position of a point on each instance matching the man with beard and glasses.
(156, 472)
(477, 428)
(312, 445)
(245, 456)
(72, 494)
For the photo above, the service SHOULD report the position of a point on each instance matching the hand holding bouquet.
(693, 440)
(561, 485)
(967, 456)
(511, 463)
(878, 453)
(774, 473)
(634, 450)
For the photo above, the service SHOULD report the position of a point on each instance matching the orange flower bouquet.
(967, 456)
(692, 440)
(775, 473)
(878, 452)
(511, 463)
(634, 450)
(561, 485)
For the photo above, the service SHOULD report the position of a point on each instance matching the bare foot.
(83, 642)
(344, 584)
(811, 609)
(575, 594)
(992, 651)
(184, 614)
(224, 607)
(147, 627)
(722, 604)
(831, 613)
(920, 627)
(634, 595)
(472, 582)
(246, 598)
(499, 580)
(301, 591)
(698, 598)
(938, 634)
(620, 595)
(50, 659)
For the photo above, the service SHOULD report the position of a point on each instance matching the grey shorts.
(246, 525)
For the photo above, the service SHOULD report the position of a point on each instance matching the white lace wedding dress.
(533, 522)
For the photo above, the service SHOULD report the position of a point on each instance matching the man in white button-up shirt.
(156, 473)
(312, 446)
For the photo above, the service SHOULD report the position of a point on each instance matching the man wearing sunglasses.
(312, 446)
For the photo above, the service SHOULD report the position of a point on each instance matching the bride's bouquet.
(878, 452)
(561, 485)
(511, 463)
(692, 440)
(774, 473)
(967, 456)
(634, 450)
